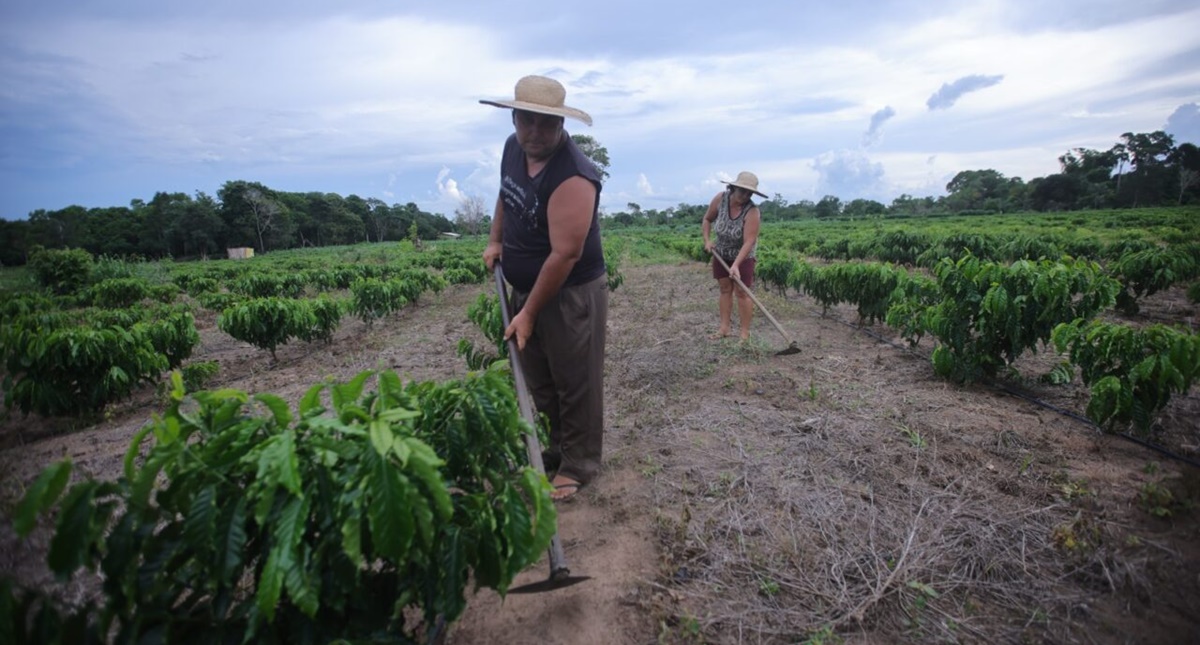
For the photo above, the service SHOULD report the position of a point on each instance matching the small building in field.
(241, 252)
(453, 236)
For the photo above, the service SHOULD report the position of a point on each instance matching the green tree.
(976, 190)
(254, 216)
(14, 242)
(1187, 162)
(1058, 192)
(829, 206)
(158, 223)
(335, 222)
(864, 208)
(1148, 181)
(377, 218)
(199, 231)
(594, 151)
(906, 204)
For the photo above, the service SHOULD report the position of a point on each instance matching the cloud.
(873, 134)
(1184, 124)
(848, 174)
(448, 187)
(949, 93)
(644, 186)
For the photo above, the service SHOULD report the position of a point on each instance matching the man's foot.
(724, 333)
(565, 488)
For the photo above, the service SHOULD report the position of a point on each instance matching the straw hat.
(542, 95)
(747, 180)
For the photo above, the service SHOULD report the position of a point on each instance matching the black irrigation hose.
(1032, 399)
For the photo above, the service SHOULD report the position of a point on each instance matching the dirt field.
(844, 494)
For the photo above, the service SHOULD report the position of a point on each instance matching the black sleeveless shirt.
(526, 232)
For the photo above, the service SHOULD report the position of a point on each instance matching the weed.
(650, 467)
(685, 628)
(1026, 462)
(1157, 500)
(812, 390)
(1077, 537)
(823, 636)
(914, 437)
(1074, 489)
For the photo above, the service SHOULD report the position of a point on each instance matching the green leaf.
(310, 403)
(231, 541)
(382, 437)
(270, 585)
(350, 391)
(42, 494)
(352, 527)
(135, 448)
(278, 408)
(302, 588)
(200, 524)
(390, 519)
(70, 546)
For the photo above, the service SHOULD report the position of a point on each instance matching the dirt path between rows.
(844, 494)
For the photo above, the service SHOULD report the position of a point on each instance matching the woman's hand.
(734, 273)
(708, 246)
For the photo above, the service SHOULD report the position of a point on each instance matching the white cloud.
(644, 186)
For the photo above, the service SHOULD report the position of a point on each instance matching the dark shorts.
(746, 268)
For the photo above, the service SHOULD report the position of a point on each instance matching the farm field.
(844, 494)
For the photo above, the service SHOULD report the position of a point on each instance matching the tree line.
(242, 214)
(1141, 170)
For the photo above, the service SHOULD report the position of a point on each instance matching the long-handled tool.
(792, 347)
(560, 573)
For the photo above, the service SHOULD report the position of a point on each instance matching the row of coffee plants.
(362, 516)
(70, 362)
(985, 315)
(88, 338)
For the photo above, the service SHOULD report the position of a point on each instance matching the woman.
(735, 220)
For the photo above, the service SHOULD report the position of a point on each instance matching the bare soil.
(844, 494)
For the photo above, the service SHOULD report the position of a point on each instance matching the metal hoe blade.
(560, 573)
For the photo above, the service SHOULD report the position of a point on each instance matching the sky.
(103, 103)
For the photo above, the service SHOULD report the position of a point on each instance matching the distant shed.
(240, 253)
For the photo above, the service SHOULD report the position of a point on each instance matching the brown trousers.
(563, 361)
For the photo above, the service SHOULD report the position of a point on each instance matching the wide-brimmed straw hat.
(747, 180)
(542, 95)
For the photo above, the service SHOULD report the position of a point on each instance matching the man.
(546, 235)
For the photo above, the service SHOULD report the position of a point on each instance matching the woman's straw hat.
(542, 95)
(747, 180)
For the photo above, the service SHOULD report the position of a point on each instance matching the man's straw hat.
(747, 180)
(542, 95)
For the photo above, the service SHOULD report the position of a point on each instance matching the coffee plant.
(989, 313)
(268, 323)
(1133, 373)
(359, 517)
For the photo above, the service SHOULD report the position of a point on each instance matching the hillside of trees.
(1141, 170)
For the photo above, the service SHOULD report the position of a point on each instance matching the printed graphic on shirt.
(521, 200)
